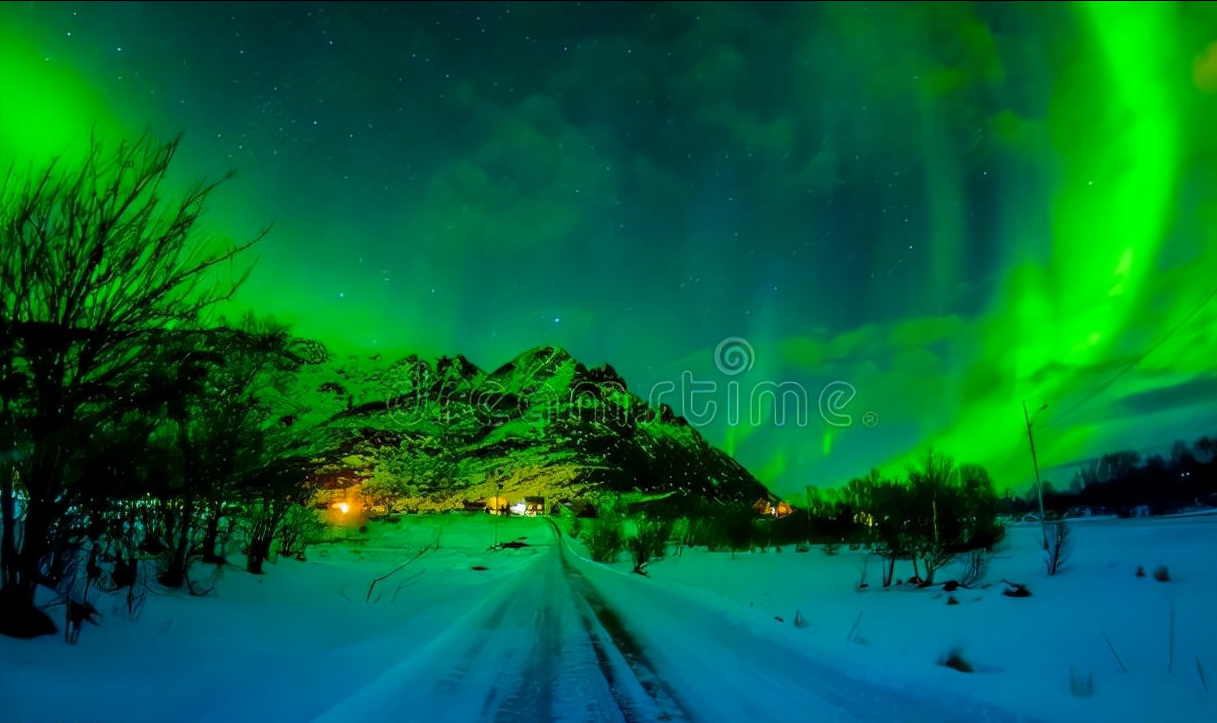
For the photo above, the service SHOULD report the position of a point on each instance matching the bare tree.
(95, 259)
(1058, 547)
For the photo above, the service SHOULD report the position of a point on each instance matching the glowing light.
(343, 507)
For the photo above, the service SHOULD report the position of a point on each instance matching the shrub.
(1081, 686)
(731, 527)
(954, 660)
(569, 521)
(300, 528)
(975, 565)
(739, 529)
(1058, 547)
(603, 539)
(649, 542)
(680, 533)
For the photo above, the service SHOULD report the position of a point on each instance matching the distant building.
(496, 506)
(534, 506)
(766, 508)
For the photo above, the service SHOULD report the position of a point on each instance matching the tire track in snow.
(750, 677)
(530, 651)
(457, 675)
(639, 692)
(571, 677)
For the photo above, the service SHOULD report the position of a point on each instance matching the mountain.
(543, 424)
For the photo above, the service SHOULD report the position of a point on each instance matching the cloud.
(529, 183)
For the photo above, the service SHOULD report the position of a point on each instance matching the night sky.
(947, 208)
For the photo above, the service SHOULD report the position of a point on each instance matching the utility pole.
(808, 491)
(499, 512)
(1039, 486)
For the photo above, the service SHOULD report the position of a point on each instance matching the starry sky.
(913, 216)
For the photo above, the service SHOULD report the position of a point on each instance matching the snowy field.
(1029, 655)
(540, 634)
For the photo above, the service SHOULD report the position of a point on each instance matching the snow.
(1023, 650)
(542, 634)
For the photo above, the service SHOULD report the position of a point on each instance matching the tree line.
(937, 513)
(1127, 483)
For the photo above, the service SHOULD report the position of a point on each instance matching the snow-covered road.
(531, 651)
(566, 640)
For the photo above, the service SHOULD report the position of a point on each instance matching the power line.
(1132, 364)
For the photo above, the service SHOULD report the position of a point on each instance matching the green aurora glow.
(954, 207)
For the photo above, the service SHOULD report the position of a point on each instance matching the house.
(766, 508)
(534, 506)
(496, 505)
(474, 505)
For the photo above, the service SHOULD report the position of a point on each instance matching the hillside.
(542, 424)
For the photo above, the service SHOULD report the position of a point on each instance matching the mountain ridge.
(542, 424)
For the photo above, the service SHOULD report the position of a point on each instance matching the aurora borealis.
(952, 207)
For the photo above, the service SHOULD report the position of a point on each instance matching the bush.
(1081, 686)
(649, 542)
(569, 521)
(1058, 547)
(737, 528)
(680, 533)
(975, 564)
(300, 528)
(955, 661)
(603, 539)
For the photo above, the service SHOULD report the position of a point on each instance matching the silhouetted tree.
(95, 259)
(1159, 484)
(1121, 463)
(942, 512)
(1181, 455)
(1205, 447)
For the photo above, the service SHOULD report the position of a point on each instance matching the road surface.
(566, 641)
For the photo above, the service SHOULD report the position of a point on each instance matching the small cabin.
(765, 508)
(534, 506)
